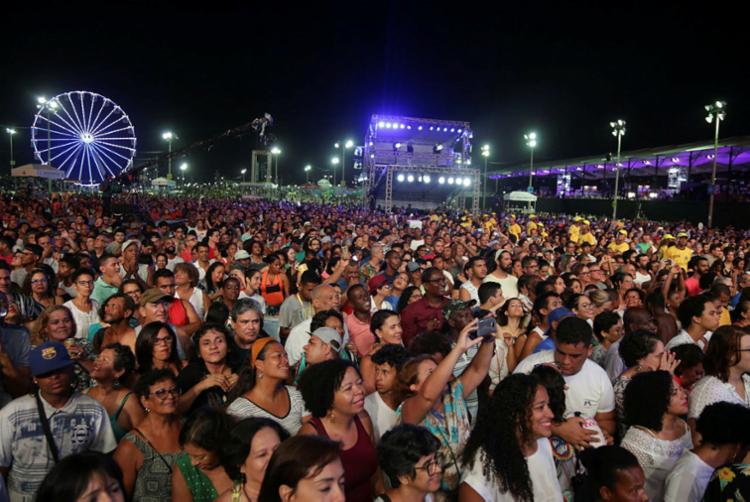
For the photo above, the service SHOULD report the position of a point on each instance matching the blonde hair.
(39, 328)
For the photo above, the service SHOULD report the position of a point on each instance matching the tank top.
(177, 313)
(154, 480)
(272, 293)
(198, 483)
(360, 463)
(118, 431)
(196, 300)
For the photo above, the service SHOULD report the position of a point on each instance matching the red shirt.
(415, 317)
(692, 285)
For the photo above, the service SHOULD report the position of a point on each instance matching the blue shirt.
(15, 342)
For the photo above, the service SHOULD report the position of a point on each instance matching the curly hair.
(401, 448)
(647, 398)
(554, 382)
(319, 383)
(497, 432)
(636, 345)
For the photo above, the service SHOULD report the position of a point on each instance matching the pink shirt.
(360, 334)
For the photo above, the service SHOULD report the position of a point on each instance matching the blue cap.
(559, 313)
(48, 357)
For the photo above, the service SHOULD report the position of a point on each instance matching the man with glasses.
(30, 256)
(426, 314)
(76, 423)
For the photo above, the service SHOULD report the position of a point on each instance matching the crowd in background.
(216, 349)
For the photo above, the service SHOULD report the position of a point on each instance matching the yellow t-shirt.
(725, 319)
(587, 237)
(574, 233)
(515, 229)
(679, 256)
(618, 248)
(531, 226)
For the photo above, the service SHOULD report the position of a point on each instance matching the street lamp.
(618, 131)
(244, 170)
(531, 142)
(308, 168)
(11, 132)
(485, 154)
(343, 145)
(48, 105)
(276, 151)
(716, 112)
(169, 136)
(183, 168)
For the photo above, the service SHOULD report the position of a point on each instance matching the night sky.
(321, 72)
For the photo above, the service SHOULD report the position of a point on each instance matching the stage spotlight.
(387, 125)
(400, 178)
(445, 129)
(450, 180)
(381, 124)
(467, 182)
(437, 148)
(396, 146)
(419, 179)
(410, 178)
(401, 126)
(426, 178)
(409, 148)
(453, 129)
(460, 131)
(408, 127)
(441, 180)
(432, 128)
(420, 128)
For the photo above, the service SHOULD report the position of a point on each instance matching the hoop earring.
(116, 384)
(147, 410)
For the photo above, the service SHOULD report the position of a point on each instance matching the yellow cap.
(577, 219)
(682, 234)
(532, 216)
(624, 232)
(668, 236)
(586, 222)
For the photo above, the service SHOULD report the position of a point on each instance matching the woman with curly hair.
(508, 456)
(657, 436)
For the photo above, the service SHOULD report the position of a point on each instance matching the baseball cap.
(412, 266)
(154, 295)
(623, 232)
(586, 222)
(329, 336)
(377, 282)
(682, 234)
(559, 314)
(454, 306)
(129, 243)
(577, 219)
(241, 255)
(668, 237)
(48, 357)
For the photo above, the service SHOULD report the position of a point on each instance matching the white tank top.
(196, 300)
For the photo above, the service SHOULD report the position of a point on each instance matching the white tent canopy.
(520, 196)
(38, 171)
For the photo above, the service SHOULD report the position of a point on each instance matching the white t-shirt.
(641, 278)
(242, 408)
(688, 480)
(589, 391)
(542, 471)
(83, 320)
(613, 363)
(509, 284)
(298, 338)
(382, 416)
(473, 291)
(683, 337)
(710, 390)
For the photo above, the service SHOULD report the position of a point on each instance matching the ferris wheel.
(83, 134)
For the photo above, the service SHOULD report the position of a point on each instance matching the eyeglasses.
(85, 283)
(439, 279)
(432, 466)
(39, 281)
(161, 394)
(163, 341)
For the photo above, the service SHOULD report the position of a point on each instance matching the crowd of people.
(206, 349)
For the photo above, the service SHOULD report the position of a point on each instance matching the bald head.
(638, 319)
(323, 297)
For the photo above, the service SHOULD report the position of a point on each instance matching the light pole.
(276, 151)
(183, 169)
(618, 131)
(244, 170)
(716, 113)
(344, 145)
(485, 154)
(169, 136)
(308, 168)
(11, 132)
(48, 105)
(531, 142)
(334, 162)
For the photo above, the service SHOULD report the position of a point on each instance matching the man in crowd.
(109, 281)
(502, 274)
(426, 314)
(296, 308)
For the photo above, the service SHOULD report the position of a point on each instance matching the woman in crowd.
(146, 454)
(274, 284)
(379, 289)
(261, 389)
(83, 308)
(437, 400)
(335, 396)
(727, 364)
(607, 330)
(511, 320)
(410, 295)
(199, 476)
(400, 283)
(87, 476)
(156, 349)
(304, 469)
(614, 475)
(250, 282)
(245, 454)
(407, 455)
(56, 324)
(133, 289)
(657, 435)
(112, 371)
(230, 292)
(214, 280)
(210, 375)
(508, 456)
(39, 287)
(600, 300)
(186, 279)
(641, 351)
(386, 326)
(582, 307)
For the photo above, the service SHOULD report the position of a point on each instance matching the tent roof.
(38, 171)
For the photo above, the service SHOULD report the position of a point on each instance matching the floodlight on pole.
(276, 151)
(169, 136)
(11, 132)
(485, 154)
(244, 170)
(531, 142)
(308, 168)
(618, 131)
(715, 112)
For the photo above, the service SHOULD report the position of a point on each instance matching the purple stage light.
(381, 124)
(401, 126)
(420, 128)
(408, 127)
